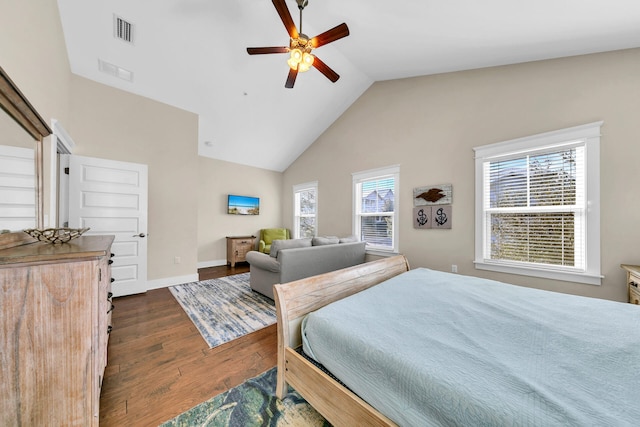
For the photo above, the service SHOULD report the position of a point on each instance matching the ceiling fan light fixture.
(300, 61)
(300, 45)
(295, 58)
(296, 55)
(307, 59)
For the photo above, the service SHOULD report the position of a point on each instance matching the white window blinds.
(535, 208)
(375, 208)
(538, 205)
(305, 210)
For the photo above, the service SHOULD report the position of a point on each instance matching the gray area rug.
(226, 308)
(252, 404)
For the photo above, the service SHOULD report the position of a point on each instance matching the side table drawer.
(238, 247)
(244, 246)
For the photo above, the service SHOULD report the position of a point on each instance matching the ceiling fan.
(300, 45)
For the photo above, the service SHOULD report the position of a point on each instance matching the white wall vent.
(114, 70)
(122, 29)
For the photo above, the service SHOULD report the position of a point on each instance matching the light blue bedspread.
(428, 348)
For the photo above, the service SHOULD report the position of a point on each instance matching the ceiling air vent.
(122, 29)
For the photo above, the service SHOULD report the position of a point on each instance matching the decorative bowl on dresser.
(56, 319)
(633, 281)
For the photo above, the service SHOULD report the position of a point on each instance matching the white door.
(110, 197)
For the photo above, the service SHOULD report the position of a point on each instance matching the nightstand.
(237, 248)
(633, 282)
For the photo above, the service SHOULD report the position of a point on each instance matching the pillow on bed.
(278, 245)
(327, 240)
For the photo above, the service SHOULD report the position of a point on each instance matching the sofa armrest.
(263, 261)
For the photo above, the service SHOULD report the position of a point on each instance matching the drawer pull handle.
(109, 329)
(112, 255)
(634, 284)
(109, 295)
(111, 309)
(113, 280)
(110, 261)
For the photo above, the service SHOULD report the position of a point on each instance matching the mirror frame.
(14, 103)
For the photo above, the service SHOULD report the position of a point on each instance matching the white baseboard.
(171, 281)
(214, 263)
(121, 291)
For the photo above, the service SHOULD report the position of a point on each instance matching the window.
(375, 207)
(538, 205)
(305, 209)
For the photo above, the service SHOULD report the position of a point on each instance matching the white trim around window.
(383, 241)
(586, 138)
(310, 213)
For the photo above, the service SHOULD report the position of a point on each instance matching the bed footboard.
(293, 301)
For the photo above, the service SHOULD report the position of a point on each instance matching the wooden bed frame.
(293, 301)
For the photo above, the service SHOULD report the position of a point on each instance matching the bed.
(460, 351)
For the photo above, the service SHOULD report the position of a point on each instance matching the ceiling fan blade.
(331, 35)
(291, 78)
(283, 11)
(265, 50)
(325, 69)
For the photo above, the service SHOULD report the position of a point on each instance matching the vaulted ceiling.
(192, 54)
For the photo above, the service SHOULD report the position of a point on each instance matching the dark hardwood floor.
(159, 366)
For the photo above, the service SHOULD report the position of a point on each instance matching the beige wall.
(33, 54)
(112, 124)
(428, 125)
(216, 180)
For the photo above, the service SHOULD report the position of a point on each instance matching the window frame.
(298, 188)
(588, 136)
(373, 175)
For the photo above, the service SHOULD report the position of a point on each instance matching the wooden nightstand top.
(631, 268)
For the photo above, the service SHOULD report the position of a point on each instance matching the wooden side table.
(633, 282)
(237, 248)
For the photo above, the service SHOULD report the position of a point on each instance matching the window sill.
(566, 276)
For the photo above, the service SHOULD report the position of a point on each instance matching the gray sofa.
(299, 258)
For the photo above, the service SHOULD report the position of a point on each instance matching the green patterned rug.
(252, 403)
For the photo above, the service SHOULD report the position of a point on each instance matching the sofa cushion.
(278, 245)
(349, 239)
(327, 240)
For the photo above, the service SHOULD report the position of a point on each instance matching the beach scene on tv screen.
(243, 205)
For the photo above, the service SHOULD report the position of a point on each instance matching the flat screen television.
(243, 205)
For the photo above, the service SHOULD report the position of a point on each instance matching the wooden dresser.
(56, 319)
(237, 248)
(633, 282)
